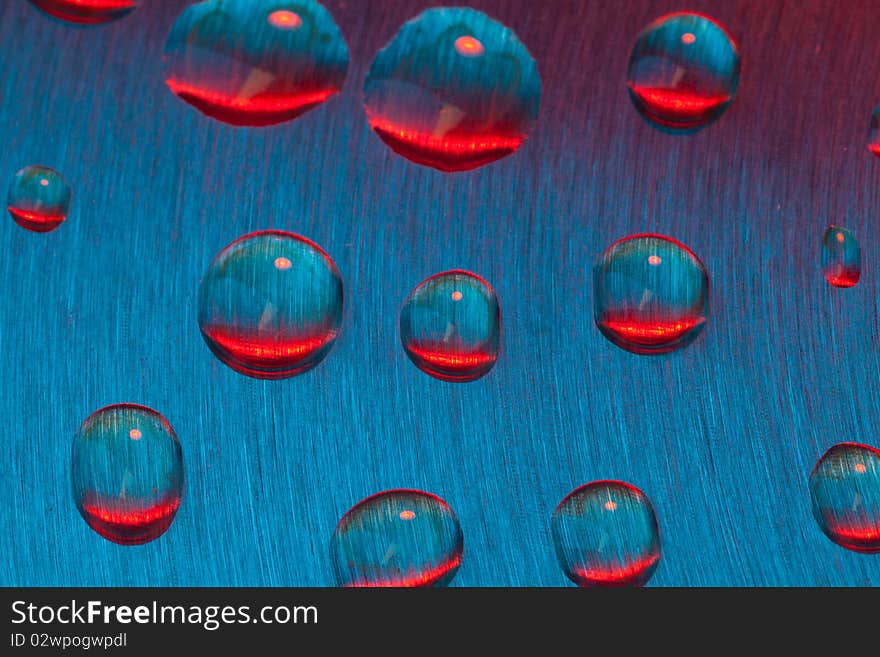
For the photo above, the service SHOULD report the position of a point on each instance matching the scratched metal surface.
(721, 436)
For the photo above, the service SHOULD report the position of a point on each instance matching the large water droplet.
(38, 199)
(841, 257)
(127, 473)
(683, 71)
(651, 294)
(453, 90)
(845, 489)
(605, 534)
(86, 12)
(397, 538)
(450, 326)
(270, 305)
(255, 62)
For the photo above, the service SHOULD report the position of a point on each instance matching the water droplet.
(270, 305)
(453, 90)
(841, 257)
(605, 534)
(845, 489)
(450, 326)
(874, 132)
(86, 12)
(38, 199)
(400, 538)
(253, 63)
(651, 294)
(127, 473)
(683, 72)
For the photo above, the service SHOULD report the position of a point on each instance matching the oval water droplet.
(255, 62)
(38, 199)
(453, 90)
(270, 305)
(683, 72)
(86, 12)
(841, 257)
(845, 491)
(400, 538)
(127, 473)
(651, 294)
(450, 326)
(606, 534)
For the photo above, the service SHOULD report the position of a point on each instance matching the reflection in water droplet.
(253, 63)
(127, 473)
(86, 12)
(845, 490)
(651, 294)
(605, 534)
(683, 72)
(841, 257)
(450, 326)
(38, 199)
(270, 305)
(401, 538)
(453, 90)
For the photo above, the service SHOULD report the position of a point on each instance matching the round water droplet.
(270, 305)
(38, 199)
(453, 90)
(450, 326)
(651, 294)
(399, 538)
(841, 257)
(683, 71)
(845, 489)
(255, 62)
(86, 12)
(127, 473)
(605, 534)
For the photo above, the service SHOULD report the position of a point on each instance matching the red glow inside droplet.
(860, 468)
(456, 296)
(44, 182)
(282, 263)
(840, 237)
(446, 362)
(629, 574)
(678, 106)
(841, 276)
(421, 578)
(407, 515)
(264, 109)
(688, 38)
(650, 332)
(610, 505)
(135, 434)
(285, 20)
(36, 221)
(654, 260)
(469, 46)
(129, 525)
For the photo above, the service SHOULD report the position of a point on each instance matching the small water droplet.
(270, 305)
(253, 63)
(841, 257)
(450, 326)
(127, 473)
(651, 294)
(400, 538)
(845, 491)
(683, 72)
(453, 90)
(874, 132)
(606, 534)
(86, 12)
(38, 199)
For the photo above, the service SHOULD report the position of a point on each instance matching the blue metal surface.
(721, 436)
